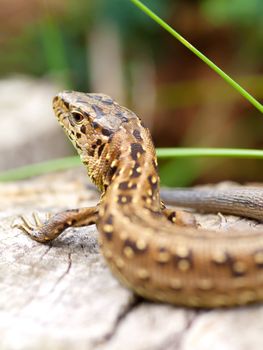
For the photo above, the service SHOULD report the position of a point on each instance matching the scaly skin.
(237, 200)
(146, 252)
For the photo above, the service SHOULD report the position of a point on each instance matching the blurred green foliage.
(241, 12)
(245, 16)
(55, 43)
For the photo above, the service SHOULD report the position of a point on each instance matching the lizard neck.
(132, 177)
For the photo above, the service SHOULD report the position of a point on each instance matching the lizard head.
(89, 118)
(91, 121)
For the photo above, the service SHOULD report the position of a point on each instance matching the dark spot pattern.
(108, 235)
(155, 213)
(188, 258)
(142, 124)
(91, 152)
(83, 129)
(229, 261)
(81, 100)
(162, 250)
(154, 184)
(72, 211)
(108, 101)
(71, 122)
(236, 273)
(144, 198)
(65, 225)
(136, 150)
(108, 232)
(95, 125)
(129, 243)
(96, 97)
(99, 111)
(122, 117)
(106, 132)
(172, 216)
(109, 220)
(66, 103)
(124, 186)
(155, 164)
(101, 147)
(112, 171)
(137, 134)
(78, 135)
(135, 173)
(122, 199)
(117, 173)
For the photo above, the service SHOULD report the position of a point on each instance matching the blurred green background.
(112, 47)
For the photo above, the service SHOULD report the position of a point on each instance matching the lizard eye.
(78, 117)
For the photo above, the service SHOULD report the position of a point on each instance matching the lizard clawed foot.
(54, 225)
(33, 229)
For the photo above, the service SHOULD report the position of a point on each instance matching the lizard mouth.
(61, 112)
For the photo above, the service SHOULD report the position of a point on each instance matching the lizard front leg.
(50, 229)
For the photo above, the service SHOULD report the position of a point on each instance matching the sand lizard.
(143, 247)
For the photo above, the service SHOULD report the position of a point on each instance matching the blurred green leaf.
(179, 172)
(54, 50)
(238, 11)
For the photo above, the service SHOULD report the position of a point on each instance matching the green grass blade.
(219, 71)
(70, 162)
(39, 169)
(209, 152)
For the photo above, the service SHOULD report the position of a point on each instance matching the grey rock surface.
(62, 296)
(29, 131)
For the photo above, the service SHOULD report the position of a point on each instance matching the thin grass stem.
(71, 162)
(186, 43)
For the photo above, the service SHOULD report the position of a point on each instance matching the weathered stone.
(63, 296)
